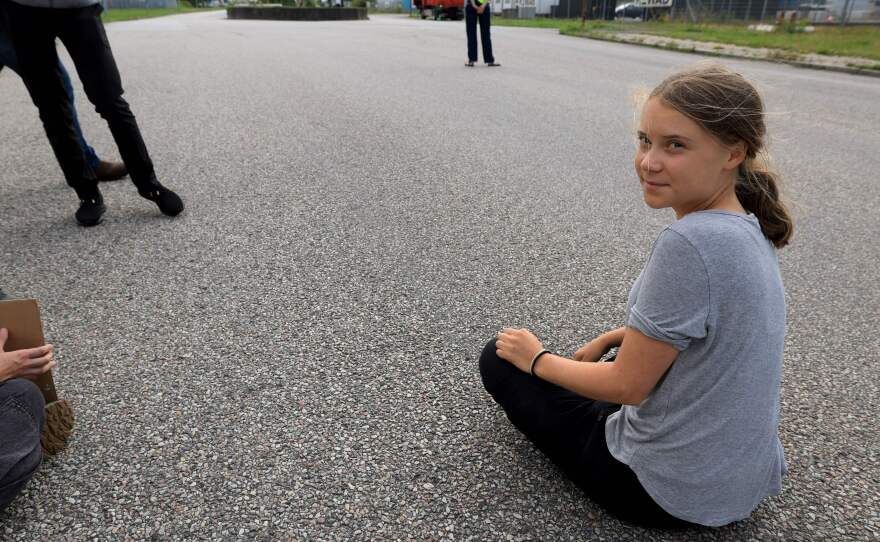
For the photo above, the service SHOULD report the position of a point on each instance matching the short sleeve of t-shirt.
(672, 303)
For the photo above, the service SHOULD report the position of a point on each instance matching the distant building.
(859, 11)
(543, 7)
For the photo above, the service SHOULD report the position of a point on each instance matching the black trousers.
(570, 430)
(470, 22)
(33, 32)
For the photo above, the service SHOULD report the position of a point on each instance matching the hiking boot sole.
(59, 425)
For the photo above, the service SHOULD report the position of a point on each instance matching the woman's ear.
(736, 156)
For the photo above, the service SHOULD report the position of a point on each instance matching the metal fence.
(817, 11)
(591, 9)
(732, 10)
(143, 4)
(813, 11)
(855, 11)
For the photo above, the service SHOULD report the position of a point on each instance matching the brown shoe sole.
(59, 425)
(114, 177)
(110, 171)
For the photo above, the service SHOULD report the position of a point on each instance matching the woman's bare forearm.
(640, 364)
(598, 381)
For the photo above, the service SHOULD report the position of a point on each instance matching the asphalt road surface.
(295, 356)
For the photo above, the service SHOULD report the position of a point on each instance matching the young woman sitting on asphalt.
(698, 369)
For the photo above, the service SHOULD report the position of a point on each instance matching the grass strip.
(113, 15)
(856, 41)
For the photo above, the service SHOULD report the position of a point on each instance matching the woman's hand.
(28, 363)
(518, 346)
(598, 347)
(592, 351)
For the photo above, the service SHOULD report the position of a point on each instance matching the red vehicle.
(440, 9)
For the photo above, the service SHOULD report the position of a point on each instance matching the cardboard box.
(21, 317)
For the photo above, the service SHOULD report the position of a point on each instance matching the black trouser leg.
(33, 36)
(544, 412)
(570, 430)
(470, 25)
(485, 39)
(82, 33)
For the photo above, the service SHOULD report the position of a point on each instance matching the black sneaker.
(169, 203)
(91, 211)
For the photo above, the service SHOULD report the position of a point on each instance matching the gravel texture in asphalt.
(294, 357)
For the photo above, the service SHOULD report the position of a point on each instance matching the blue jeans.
(21, 422)
(8, 58)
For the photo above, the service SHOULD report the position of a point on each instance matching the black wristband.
(535, 360)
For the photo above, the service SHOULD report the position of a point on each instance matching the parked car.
(440, 9)
(629, 11)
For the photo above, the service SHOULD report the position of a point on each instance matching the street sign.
(653, 3)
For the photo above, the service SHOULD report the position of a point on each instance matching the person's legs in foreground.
(7, 52)
(470, 25)
(81, 31)
(570, 430)
(21, 421)
(104, 171)
(34, 40)
(485, 38)
(85, 39)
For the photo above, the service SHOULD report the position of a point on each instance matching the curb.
(600, 36)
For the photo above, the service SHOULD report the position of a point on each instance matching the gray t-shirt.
(704, 443)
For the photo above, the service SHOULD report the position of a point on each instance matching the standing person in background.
(34, 25)
(478, 9)
(104, 171)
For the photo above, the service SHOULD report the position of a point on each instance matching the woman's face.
(679, 164)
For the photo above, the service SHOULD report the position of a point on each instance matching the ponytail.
(758, 192)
